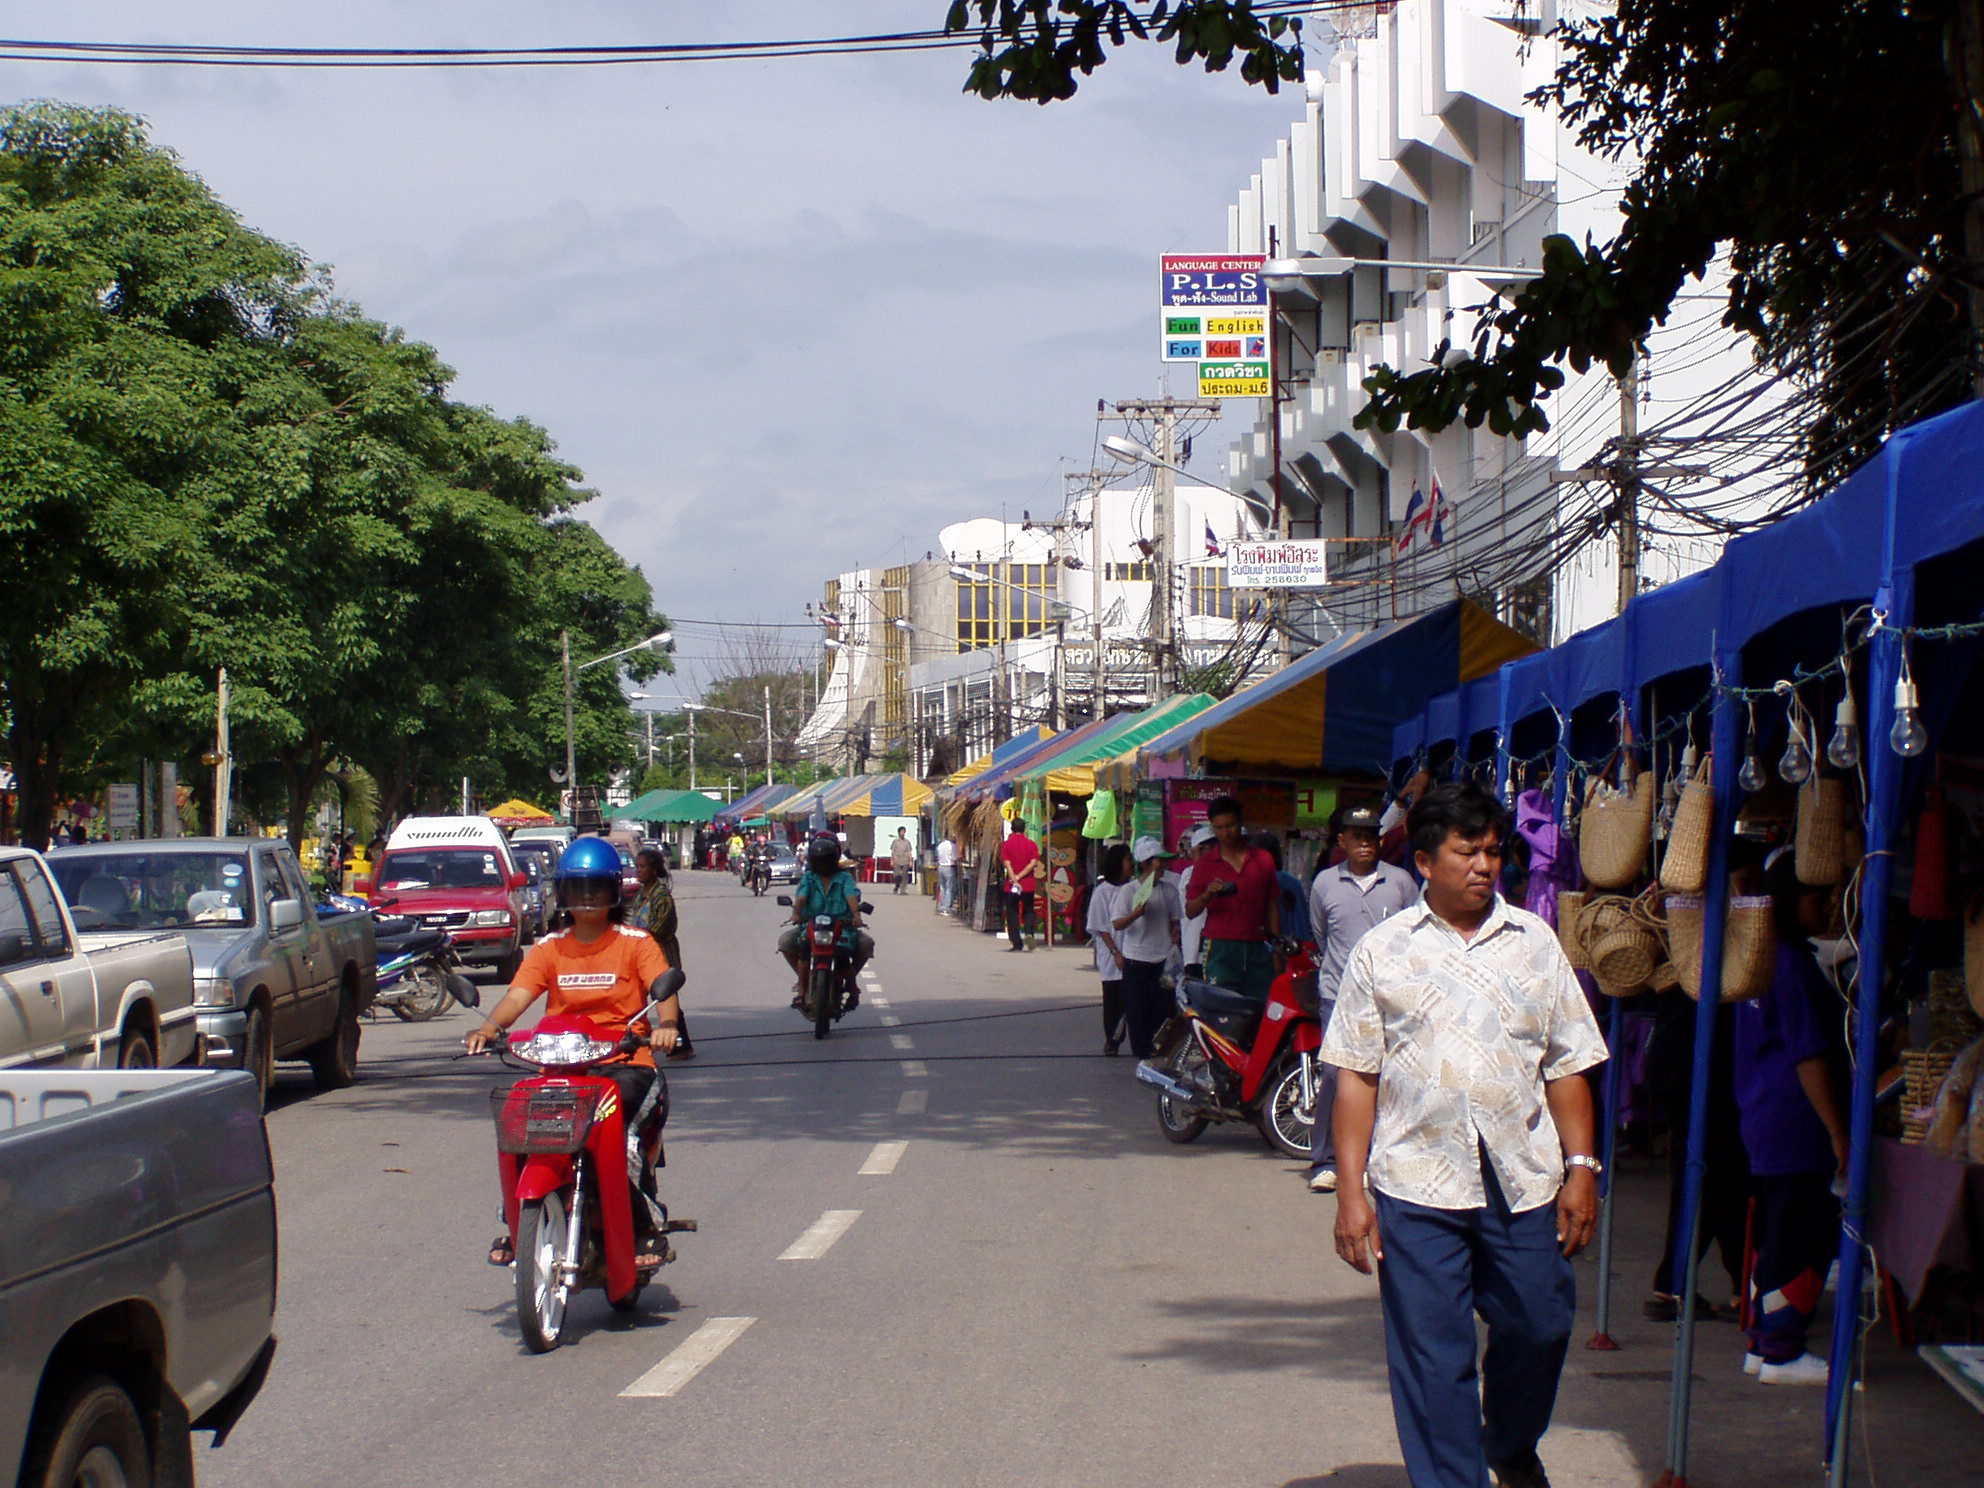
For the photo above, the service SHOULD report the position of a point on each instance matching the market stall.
(1860, 612)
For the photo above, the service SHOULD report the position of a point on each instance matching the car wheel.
(134, 1050)
(258, 1055)
(95, 1440)
(334, 1059)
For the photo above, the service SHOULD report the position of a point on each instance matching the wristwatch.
(1585, 1160)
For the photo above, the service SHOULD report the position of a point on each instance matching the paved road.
(1000, 1274)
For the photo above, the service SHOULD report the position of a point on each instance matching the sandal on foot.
(652, 1252)
(501, 1252)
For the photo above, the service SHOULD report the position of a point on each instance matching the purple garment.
(1553, 858)
(1774, 1034)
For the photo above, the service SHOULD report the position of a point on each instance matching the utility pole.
(571, 770)
(223, 760)
(692, 747)
(1166, 413)
(1629, 483)
(768, 733)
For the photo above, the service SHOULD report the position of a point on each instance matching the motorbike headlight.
(491, 917)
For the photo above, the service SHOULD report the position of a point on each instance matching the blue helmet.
(590, 860)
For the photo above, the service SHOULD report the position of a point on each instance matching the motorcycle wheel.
(1280, 1118)
(629, 1302)
(427, 994)
(1174, 1118)
(541, 1292)
(824, 1002)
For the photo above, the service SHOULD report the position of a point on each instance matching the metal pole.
(768, 734)
(1095, 708)
(1161, 484)
(692, 747)
(1615, 1038)
(1629, 484)
(1715, 915)
(224, 765)
(571, 768)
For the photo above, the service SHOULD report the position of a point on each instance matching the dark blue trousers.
(1441, 1267)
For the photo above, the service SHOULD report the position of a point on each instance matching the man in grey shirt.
(1346, 899)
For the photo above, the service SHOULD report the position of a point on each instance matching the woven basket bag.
(1614, 831)
(1823, 818)
(1622, 941)
(1570, 904)
(1749, 945)
(1684, 868)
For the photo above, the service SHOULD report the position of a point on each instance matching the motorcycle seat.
(1234, 1014)
(415, 942)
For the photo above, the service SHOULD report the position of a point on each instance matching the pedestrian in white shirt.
(1147, 916)
(1200, 842)
(1463, 1036)
(1103, 896)
(947, 874)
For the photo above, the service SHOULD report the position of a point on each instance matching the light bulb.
(1794, 766)
(1751, 777)
(1843, 749)
(1907, 738)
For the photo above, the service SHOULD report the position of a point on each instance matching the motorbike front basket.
(544, 1119)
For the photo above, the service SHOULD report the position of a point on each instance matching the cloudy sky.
(790, 317)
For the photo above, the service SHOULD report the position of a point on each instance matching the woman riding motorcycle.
(826, 888)
(595, 967)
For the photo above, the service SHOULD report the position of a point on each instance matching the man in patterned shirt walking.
(1461, 1035)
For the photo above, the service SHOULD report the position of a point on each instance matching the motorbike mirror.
(386, 902)
(785, 901)
(463, 990)
(867, 908)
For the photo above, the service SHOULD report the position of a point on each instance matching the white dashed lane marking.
(890, 1020)
(913, 1103)
(915, 1069)
(695, 1354)
(882, 1161)
(901, 1041)
(820, 1235)
(879, 1000)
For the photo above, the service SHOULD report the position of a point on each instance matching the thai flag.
(1212, 543)
(1416, 516)
(1437, 509)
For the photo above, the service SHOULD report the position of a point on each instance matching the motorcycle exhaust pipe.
(1150, 1074)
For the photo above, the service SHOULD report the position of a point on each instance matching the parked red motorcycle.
(563, 1152)
(829, 969)
(1226, 1057)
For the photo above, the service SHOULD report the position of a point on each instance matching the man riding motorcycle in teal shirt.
(826, 888)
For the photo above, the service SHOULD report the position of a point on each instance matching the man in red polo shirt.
(1020, 859)
(1237, 887)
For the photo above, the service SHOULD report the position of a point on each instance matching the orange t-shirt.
(606, 982)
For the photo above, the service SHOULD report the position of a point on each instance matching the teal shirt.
(810, 897)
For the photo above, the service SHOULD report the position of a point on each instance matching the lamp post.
(660, 639)
(692, 709)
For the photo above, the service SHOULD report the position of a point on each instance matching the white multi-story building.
(1421, 183)
(934, 661)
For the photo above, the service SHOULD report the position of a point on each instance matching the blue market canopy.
(755, 801)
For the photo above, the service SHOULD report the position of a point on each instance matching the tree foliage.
(207, 461)
(1817, 145)
(1034, 49)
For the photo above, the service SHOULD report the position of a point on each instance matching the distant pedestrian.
(1195, 844)
(1346, 900)
(1463, 1037)
(1236, 889)
(1103, 896)
(1019, 860)
(1147, 920)
(902, 858)
(653, 910)
(947, 875)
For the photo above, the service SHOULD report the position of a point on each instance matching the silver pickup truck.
(274, 977)
(91, 999)
(137, 1270)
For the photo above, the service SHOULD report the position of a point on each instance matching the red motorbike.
(564, 1156)
(1227, 1057)
(829, 970)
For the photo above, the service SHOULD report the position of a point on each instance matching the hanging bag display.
(1570, 905)
(1684, 867)
(1621, 940)
(1749, 945)
(1615, 829)
(1823, 819)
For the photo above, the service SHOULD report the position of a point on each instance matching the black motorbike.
(758, 872)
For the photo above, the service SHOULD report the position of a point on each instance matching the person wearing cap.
(1192, 846)
(1101, 923)
(1346, 900)
(1146, 927)
(1235, 887)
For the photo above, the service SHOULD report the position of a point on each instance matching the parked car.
(558, 837)
(138, 1282)
(273, 976)
(82, 989)
(457, 873)
(786, 866)
(540, 860)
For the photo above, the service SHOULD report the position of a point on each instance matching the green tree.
(1832, 151)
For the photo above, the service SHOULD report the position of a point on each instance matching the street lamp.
(1132, 453)
(659, 639)
(692, 709)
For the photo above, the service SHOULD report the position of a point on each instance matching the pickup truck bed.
(137, 1246)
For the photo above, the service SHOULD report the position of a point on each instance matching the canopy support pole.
(1715, 915)
(1615, 1037)
(1894, 607)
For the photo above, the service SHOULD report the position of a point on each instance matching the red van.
(456, 873)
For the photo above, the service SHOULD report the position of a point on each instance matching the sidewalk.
(1611, 1421)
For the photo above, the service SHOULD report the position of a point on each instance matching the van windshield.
(156, 890)
(440, 868)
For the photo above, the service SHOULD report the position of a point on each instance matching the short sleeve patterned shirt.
(1462, 1035)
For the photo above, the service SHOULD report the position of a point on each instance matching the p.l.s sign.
(1213, 281)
